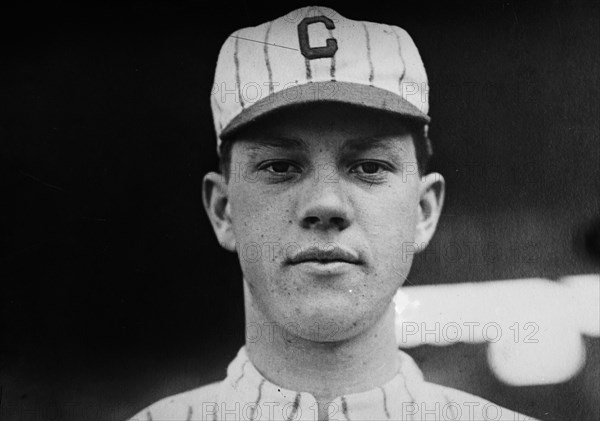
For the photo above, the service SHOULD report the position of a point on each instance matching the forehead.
(353, 127)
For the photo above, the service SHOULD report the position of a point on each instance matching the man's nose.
(325, 205)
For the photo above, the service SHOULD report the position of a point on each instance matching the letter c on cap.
(316, 52)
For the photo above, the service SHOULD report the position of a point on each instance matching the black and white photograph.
(333, 211)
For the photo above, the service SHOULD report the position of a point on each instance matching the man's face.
(324, 201)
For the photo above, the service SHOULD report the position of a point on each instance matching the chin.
(326, 320)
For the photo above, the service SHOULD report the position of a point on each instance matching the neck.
(324, 369)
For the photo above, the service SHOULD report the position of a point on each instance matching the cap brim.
(331, 91)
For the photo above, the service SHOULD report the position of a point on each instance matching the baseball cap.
(314, 54)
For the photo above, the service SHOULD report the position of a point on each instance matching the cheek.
(258, 225)
(254, 217)
(391, 229)
(393, 214)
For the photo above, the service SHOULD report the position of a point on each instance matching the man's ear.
(431, 201)
(216, 203)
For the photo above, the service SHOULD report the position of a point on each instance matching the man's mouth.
(324, 255)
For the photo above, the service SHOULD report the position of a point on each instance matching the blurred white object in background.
(533, 327)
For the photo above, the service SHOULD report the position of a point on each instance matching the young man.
(321, 128)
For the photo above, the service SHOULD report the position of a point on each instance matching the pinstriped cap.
(315, 54)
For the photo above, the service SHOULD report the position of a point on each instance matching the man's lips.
(324, 255)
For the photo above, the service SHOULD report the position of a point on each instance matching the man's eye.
(369, 167)
(279, 167)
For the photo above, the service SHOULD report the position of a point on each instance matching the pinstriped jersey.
(246, 395)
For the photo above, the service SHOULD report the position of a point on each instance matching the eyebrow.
(274, 142)
(381, 143)
(370, 143)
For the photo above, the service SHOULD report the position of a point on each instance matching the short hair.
(419, 132)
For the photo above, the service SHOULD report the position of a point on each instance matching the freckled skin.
(373, 216)
(321, 175)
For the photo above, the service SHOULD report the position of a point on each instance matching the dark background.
(114, 292)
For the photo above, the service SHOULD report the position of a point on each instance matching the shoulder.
(182, 406)
(448, 403)
(459, 405)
